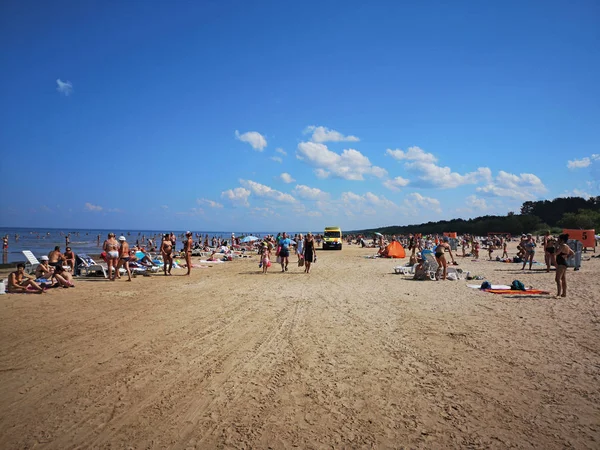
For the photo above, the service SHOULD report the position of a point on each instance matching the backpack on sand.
(517, 286)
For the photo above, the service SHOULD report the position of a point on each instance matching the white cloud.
(432, 175)
(281, 151)
(412, 154)
(260, 190)
(584, 162)
(238, 196)
(211, 203)
(369, 199)
(309, 193)
(350, 165)
(314, 214)
(321, 173)
(577, 193)
(254, 138)
(415, 200)
(90, 207)
(323, 134)
(277, 159)
(472, 201)
(165, 207)
(396, 183)
(286, 178)
(523, 187)
(64, 87)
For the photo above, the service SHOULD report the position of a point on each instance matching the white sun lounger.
(32, 261)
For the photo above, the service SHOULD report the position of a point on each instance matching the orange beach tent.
(395, 250)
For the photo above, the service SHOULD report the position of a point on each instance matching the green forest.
(534, 217)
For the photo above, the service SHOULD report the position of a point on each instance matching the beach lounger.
(431, 264)
(32, 261)
(405, 270)
(88, 265)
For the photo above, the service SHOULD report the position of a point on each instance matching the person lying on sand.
(19, 281)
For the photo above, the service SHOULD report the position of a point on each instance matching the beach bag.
(301, 262)
(278, 251)
(517, 286)
(486, 285)
(278, 259)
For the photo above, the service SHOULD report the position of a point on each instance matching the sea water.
(43, 240)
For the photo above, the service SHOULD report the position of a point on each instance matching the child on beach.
(265, 260)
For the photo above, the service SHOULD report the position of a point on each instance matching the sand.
(350, 356)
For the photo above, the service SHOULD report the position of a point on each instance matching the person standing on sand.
(441, 259)
(563, 252)
(124, 257)
(310, 252)
(529, 245)
(548, 243)
(187, 248)
(166, 250)
(111, 248)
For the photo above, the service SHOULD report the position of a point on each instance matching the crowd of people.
(57, 269)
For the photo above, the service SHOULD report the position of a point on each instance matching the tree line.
(535, 217)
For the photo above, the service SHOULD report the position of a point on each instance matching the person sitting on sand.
(70, 258)
(56, 258)
(441, 259)
(19, 281)
(63, 277)
(420, 270)
(44, 270)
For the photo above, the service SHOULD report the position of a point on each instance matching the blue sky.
(233, 115)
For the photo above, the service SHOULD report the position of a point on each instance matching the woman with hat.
(124, 257)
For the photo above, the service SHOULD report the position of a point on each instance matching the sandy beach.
(349, 356)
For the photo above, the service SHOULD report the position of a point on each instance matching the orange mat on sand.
(516, 292)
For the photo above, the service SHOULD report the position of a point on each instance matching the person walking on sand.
(563, 252)
(124, 257)
(310, 252)
(187, 248)
(166, 250)
(300, 247)
(284, 251)
(265, 257)
(111, 248)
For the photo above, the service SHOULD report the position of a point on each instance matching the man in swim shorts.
(124, 256)
(19, 282)
(284, 251)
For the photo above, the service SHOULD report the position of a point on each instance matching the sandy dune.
(350, 356)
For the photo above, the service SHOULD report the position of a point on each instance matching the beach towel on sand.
(516, 292)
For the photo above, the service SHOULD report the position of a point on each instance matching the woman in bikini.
(111, 247)
(187, 248)
(124, 257)
(441, 259)
(563, 252)
(166, 250)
